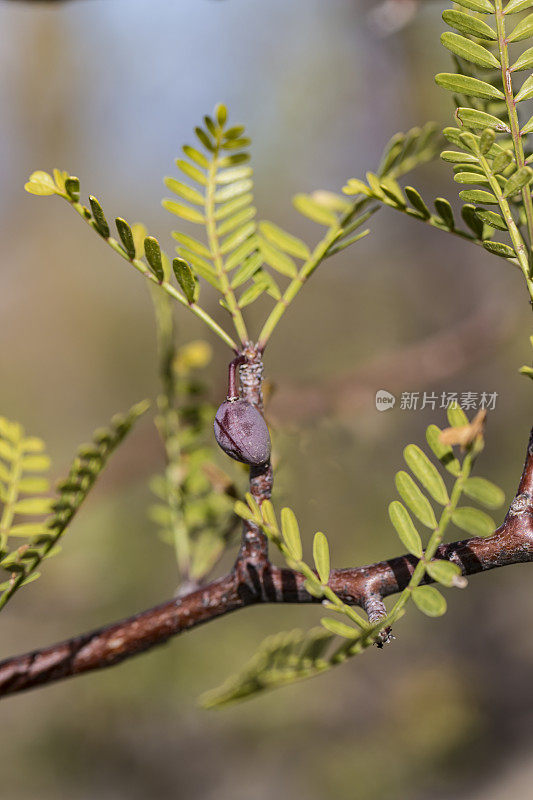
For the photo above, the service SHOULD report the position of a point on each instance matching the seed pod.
(242, 433)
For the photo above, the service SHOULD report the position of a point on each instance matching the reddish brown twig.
(257, 581)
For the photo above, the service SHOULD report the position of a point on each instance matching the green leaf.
(33, 444)
(456, 416)
(473, 521)
(391, 154)
(221, 114)
(192, 244)
(265, 279)
(445, 573)
(492, 219)
(29, 529)
(192, 172)
(392, 192)
(152, 252)
(243, 511)
(233, 174)
(279, 261)
(470, 178)
(526, 90)
(284, 241)
(33, 485)
(195, 156)
(126, 236)
(321, 557)
(486, 140)
(280, 660)
(185, 278)
(464, 84)
(36, 463)
(409, 536)
(523, 30)
(184, 191)
(499, 249)
(72, 188)
(41, 183)
(426, 472)
(241, 253)
(470, 216)
(33, 505)
(236, 144)
(234, 132)
(247, 269)
(528, 127)
(443, 451)
(469, 51)
(179, 210)
(356, 186)
(291, 533)
(232, 159)
(204, 139)
(236, 206)
(232, 191)
(250, 294)
(138, 232)
(429, 600)
(415, 499)
(454, 157)
(479, 119)
(514, 6)
(444, 210)
(484, 491)
(453, 135)
(202, 267)
(416, 201)
(236, 238)
(483, 6)
(313, 210)
(312, 585)
(478, 196)
(525, 61)
(11, 430)
(339, 628)
(468, 24)
(269, 515)
(100, 222)
(517, 181)
(236, 221)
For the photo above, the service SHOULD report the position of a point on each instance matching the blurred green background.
(109, 90)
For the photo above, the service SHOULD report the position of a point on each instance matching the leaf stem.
(519, 245)
(434, 541)
(317, 256)
(141, 267)
(214, 247)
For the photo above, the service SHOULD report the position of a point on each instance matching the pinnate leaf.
(426, 472)
(429, 600)
(405, 528)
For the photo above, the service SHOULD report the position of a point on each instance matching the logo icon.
(384, 400)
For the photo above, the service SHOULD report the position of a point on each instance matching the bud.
(242, 433)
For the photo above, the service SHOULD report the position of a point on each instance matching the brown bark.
(257, 581)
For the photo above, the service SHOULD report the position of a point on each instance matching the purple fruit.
(242, 433)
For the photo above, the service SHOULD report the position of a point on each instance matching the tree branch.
(253, 582)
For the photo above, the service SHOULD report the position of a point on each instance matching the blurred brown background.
(109, 90)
